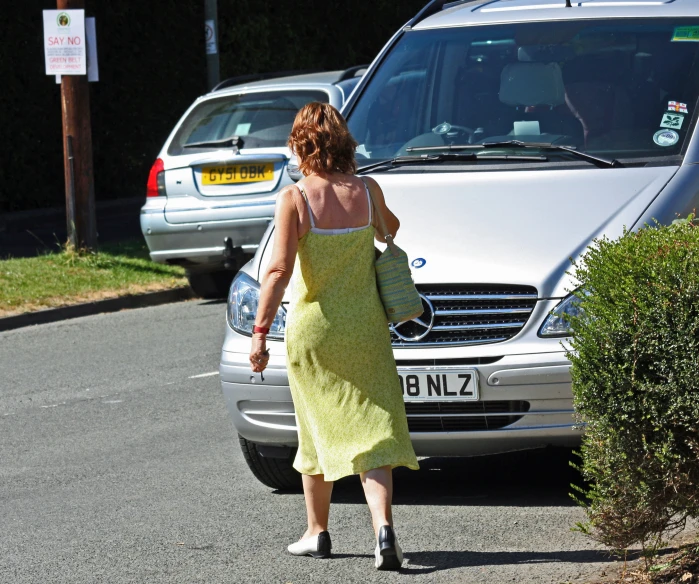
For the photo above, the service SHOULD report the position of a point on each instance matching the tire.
(276, 473)
(211, 285)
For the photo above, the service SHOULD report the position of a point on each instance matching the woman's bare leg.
(317, 493)
(378, 490)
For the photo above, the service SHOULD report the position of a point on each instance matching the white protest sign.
(92, 66)
(64, 42)
(210, 37)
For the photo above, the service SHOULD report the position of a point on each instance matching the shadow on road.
(436, 561)
(538, 478)
(213, 302)
(428, 562)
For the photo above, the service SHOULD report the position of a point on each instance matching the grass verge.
(69, 277)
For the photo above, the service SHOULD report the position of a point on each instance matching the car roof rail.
(261, 77)
(437, 6)
(351, 72)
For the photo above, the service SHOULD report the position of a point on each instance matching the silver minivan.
(211, 191)
(506, 135)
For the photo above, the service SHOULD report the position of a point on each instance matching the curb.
(101, 306)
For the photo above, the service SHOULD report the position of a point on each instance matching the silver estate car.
(211, 191)
(506, 135)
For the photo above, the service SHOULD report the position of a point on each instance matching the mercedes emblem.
(418, 328)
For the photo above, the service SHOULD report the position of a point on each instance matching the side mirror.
(293, 171)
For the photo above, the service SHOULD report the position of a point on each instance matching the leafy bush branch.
(635, 369)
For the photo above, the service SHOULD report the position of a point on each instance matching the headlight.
(556, 324)
(242, 308)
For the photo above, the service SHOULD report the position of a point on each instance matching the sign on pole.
(210, 37)
(64, 42)
(91, 40)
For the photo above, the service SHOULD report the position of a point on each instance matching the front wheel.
(277, 473)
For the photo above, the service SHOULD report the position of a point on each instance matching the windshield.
(261, 119)
(619, 89)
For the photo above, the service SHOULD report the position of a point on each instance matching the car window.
(347, 86)
(261, 119)
(614, 88)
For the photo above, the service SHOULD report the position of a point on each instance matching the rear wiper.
(444, 157)
(230, 142)
(596, 160)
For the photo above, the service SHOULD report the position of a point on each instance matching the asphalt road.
(119, 464)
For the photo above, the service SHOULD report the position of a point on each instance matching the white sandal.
(316, 546)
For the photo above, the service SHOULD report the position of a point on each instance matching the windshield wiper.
(596, 160)
(444, 157)
(601, 162)
(230, 142)
(422, 159)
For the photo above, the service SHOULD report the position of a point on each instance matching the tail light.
(156, 180)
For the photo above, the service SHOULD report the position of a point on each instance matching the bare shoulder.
(287, 196)
(287, 204)
(288, 192)
(373, 187)
(371, 181)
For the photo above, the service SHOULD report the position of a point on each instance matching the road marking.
(204, 375)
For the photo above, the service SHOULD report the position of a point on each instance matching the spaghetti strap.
(368, 198)
(308, 204)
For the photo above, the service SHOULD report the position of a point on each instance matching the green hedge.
(636, 383)
(152, 66)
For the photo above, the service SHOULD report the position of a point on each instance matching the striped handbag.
(396, 288)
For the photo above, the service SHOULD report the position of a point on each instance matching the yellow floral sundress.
(349, 406)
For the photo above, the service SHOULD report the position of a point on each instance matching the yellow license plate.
(231, 174)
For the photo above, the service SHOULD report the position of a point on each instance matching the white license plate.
(444, 385)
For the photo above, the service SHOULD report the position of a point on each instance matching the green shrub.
(635, 357)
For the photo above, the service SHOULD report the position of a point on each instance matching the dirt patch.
(676, 565)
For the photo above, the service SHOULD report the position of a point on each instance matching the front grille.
(436, 416)
(467, 315)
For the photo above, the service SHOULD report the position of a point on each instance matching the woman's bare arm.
(278, 273)
(391, 221)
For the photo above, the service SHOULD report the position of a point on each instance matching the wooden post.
(77, 153)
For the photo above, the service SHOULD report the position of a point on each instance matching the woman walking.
(349, 405)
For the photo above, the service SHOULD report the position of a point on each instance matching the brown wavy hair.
(321, 140)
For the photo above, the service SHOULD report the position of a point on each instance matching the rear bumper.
(199, 243)
(263, 412)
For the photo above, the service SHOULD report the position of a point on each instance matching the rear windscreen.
(261, 119)
(614, 88)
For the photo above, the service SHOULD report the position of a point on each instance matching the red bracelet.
(260, 329)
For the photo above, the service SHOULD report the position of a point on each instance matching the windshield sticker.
(666, 138)
(242, 129)
(418, 262)
(673, 121)
(676, 106)
(686, 34)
